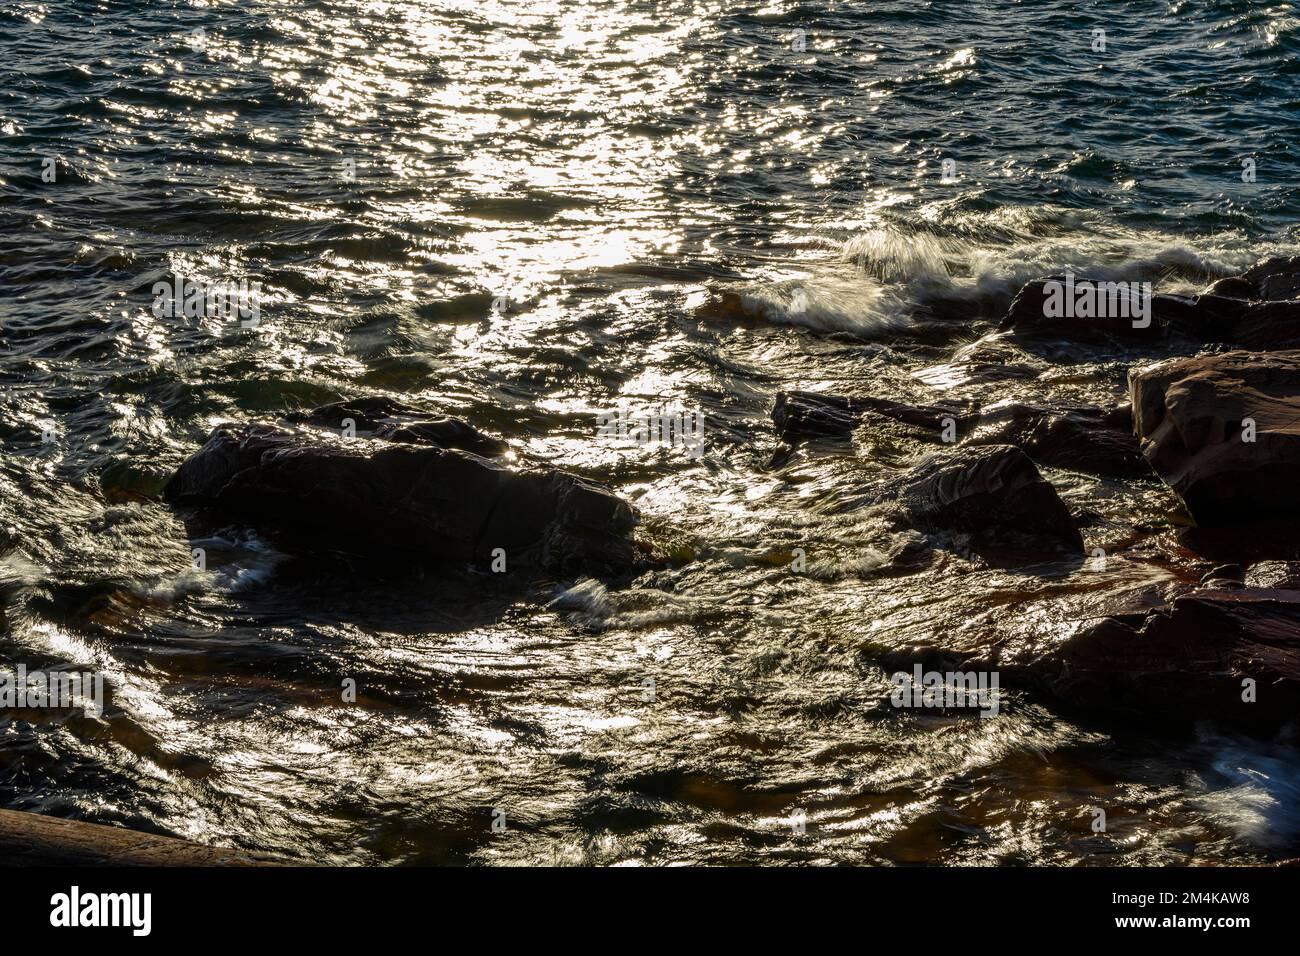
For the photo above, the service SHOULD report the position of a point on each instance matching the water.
(549, 201)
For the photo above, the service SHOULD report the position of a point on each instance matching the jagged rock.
(1088, 439)
(1191, 417)
(1259, 309)
(383, 417)
(1187, 659)
(802, 416)
(399, 499)
(1097, 441)
(1269, 280)
(1027, 315)
(993, 492)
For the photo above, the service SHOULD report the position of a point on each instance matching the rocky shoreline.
(1220, 428)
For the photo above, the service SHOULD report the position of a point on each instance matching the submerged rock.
(1224, 432)
(391, 499)
(993, 492)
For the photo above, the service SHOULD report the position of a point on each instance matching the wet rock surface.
(991, 491)
(808, 416)
(389, 499)
(383, 417)
(1259, 309)
(1028, 315)
(1081, 438)
(1271, 280)
(1226, 652)
(1215, 633)
(1094, 440)
(1224, 432)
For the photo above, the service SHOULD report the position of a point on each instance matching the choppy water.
(606, 167)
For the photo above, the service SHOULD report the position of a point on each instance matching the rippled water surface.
(550, 200)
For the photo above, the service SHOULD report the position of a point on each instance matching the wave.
(896, 277)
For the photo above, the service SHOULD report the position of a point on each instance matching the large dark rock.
(993, 492)
(1027, 315)
(1190, 415)
(1259, 309)
(1187, 659)
(1096, 441)
(1179, 657)
(1263, 326)
(397, 499)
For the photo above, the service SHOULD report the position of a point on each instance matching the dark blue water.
(523, 213)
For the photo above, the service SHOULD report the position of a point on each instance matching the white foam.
(877, 278)
(1261, 799)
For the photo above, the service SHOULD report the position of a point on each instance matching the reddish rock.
(1096, 441)
(1193, 418)
(991, 491)
(1188, 659)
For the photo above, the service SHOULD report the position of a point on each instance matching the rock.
(993, 492)
(1259, 309)
(1269, 280)
(389, 499)
(1027, 315)
(804, 416)
(1189, 415)
(30, 839)
(382, 417)
(1180, 658)
(1089, 439)
(1187, 659)
(1097, 441)
(1264, 326)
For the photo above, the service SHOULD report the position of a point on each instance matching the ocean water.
(520, 214)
